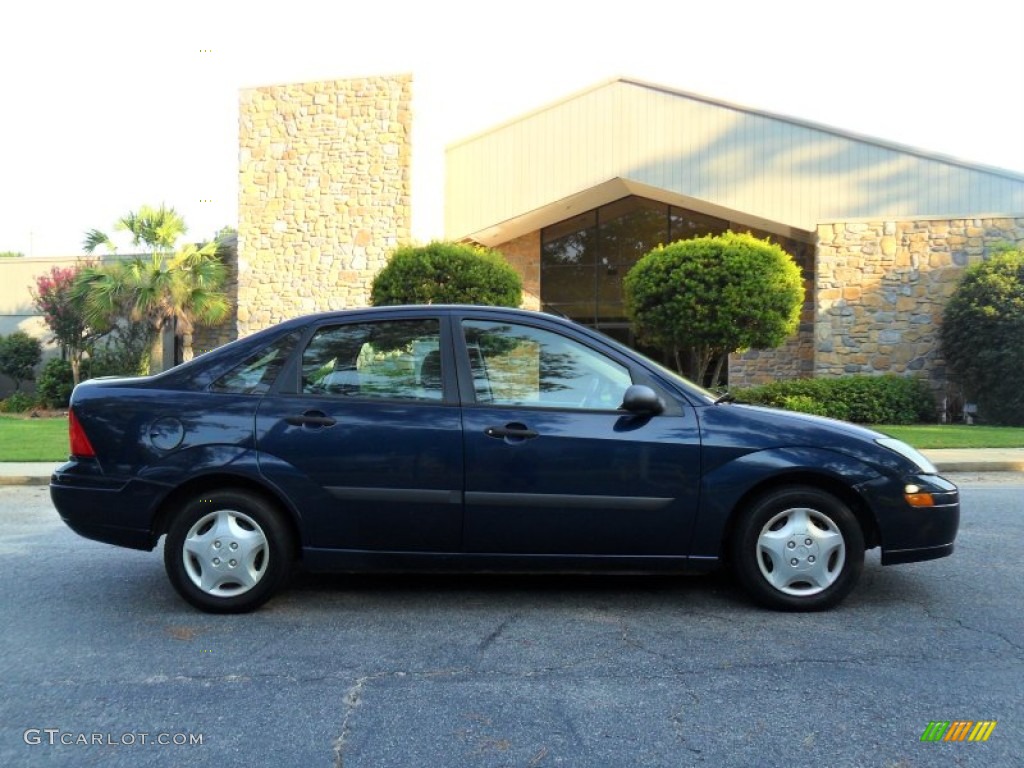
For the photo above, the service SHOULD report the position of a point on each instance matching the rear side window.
(256, 374)
(391, 360)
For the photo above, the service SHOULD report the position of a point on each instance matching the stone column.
(324, 194)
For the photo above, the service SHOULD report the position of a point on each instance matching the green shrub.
(447, 273)
(19, 355)
(886, 399)
(116, 359)
(19, 402)
(807, 404)
(982, 336)
(55, 382)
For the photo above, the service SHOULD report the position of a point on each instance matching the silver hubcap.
(225, 553)
(801, 552)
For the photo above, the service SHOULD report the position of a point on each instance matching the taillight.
(80, 445)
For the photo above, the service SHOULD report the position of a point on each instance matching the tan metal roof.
(624, 136)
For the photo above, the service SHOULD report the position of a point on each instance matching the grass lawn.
(46, 439)
(956, 436)
(24, 439)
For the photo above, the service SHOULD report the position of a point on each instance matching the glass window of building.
(584, 259)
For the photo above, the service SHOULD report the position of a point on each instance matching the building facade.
(575, 192)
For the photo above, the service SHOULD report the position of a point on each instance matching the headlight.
(908, 452)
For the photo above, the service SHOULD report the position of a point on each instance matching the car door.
(366, 437)
(552, 467)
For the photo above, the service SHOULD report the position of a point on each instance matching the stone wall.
(324, 194)
(881, 288)
(795, 358)
(876, 292)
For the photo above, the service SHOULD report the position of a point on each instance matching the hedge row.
(886, 399)
(18, 402)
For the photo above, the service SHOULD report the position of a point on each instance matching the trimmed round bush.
(447, 273)
(714, 295)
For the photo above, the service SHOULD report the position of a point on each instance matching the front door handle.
(513, 431)
(311, 419)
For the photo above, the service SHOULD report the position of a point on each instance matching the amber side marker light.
(917, 498)
(80, 445)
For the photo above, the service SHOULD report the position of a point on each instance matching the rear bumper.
(114, 511)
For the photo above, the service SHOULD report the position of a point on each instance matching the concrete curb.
(977, 459)
(980, 466)
(27, 472)
(23, 480)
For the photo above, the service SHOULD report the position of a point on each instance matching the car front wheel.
(798, 549)
(228, 551)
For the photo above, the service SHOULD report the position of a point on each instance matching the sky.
(107, 106)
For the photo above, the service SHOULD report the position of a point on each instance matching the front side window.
(520, 365)
(392, 360)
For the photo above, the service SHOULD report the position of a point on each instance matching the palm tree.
(155, 229)
(168, 289)
(180, 291)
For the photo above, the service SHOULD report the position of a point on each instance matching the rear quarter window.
(256, 373)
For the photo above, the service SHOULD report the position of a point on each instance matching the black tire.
(798, 548)
(228, 551)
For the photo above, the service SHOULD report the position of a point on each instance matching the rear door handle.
(311, 419)
(512, 431)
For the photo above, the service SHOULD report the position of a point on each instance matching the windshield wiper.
(725, 397)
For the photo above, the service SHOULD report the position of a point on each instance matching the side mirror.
(642, 400)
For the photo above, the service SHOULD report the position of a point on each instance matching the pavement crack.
(354, 696)
(498, 631)
(352, 699)
(962, 624)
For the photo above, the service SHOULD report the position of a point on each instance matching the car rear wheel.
(228, 551)
(798, 549)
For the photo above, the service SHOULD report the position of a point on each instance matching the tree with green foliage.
(447, 273)
(11, 254)
(714, 295)
(982, 335)
(168, 287)
(19, 355)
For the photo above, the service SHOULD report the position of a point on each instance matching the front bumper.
(909, 533)
(897, 556)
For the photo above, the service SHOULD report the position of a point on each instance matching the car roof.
(438, 309)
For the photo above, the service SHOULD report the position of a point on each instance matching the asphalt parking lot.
(102, 664)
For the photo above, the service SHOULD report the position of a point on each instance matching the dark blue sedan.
(477, 438)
